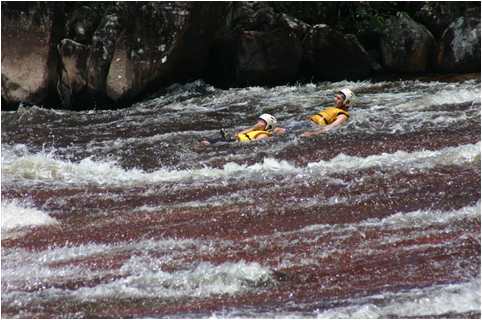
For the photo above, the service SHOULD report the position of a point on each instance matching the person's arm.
(255, 127)
(335, 124)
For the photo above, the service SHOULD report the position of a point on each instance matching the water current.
(118, 214)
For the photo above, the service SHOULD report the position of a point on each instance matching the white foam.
(422, 218)
(447, 96)
(16, 215)
(402, 220)
(436, 300)
(399, 160)
(45, 167)
(403, 226)
(146, 279)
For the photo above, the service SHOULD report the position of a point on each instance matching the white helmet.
(270, 121)
(349, 96)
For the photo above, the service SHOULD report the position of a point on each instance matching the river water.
(118, 214)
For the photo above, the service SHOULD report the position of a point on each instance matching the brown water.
(118, 214)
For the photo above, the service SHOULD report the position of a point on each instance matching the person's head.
(344, 97)
(269, 122)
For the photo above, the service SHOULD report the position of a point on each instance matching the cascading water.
(122, 214)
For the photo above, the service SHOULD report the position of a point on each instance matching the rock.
(406, 45)
(133, 49)
(169, 42)
(252, 16)
(459, 48)
(85, 67)
(101, 53)
(73, 79)
(438, 15)
(144, 53)
(111, 54)
(293, 25)
(82, 23)
(332, 55)
(257, 47)
(267, 58)
(28, 53)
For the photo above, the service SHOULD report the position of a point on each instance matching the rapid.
(118, 214)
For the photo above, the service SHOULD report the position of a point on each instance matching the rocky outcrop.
(406, 45)
(266, 57)
(28, 53)
(257, 46)
(120, 55)
(262, 46)
(436, 16)
(85, 67)
(136, 48)
(270, 56)
(143, 52)
(459, 48)
(332, 55)
(106, 54)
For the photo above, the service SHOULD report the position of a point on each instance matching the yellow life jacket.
(251, 135)
(328, 115)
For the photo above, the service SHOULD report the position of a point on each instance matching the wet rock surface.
(406, 46)
(28, 56)
(133, 50)
(459, 47)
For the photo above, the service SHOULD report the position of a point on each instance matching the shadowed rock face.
(136, 48)
(85, 66)
(120, 52)
(332, 55)
(406, 46)
(437, 16)
(28, 63)
(459, 47)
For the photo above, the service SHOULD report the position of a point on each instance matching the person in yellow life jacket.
(264, 128)
(334, 116)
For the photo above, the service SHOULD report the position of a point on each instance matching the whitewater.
(121, 213)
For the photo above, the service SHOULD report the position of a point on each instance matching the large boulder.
(438, 15)
(170, 42)
(406, 45)
(82, 22)
(459, 48)
(145, 53)
(135, 49)
(257, 47)
(267, 57)
(85, 66)
(332, 55)
(29, 63)
(73, 80)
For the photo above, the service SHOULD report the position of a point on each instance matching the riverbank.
(85, 55)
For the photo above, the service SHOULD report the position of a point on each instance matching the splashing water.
(121, 213)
